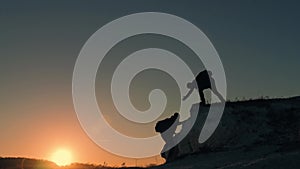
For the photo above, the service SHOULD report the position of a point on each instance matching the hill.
(25, 163)
(252, 134)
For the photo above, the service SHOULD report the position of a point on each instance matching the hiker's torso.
(203, 80)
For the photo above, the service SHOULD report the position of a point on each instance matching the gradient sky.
(258, 43)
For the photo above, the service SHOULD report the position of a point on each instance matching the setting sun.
(62, 157)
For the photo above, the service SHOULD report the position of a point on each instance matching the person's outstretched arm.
(188, 94)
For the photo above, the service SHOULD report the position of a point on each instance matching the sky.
(257, 41)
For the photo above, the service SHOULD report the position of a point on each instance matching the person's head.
(191, 85)
(176, 116)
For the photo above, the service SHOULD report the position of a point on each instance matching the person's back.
(203, 80)
(163, 125)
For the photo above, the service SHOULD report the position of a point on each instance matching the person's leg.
(202, 98)
(219, 96)
(214, 89)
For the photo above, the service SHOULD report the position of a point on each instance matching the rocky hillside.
(250, 133)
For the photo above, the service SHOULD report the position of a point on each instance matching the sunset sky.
(258, 43)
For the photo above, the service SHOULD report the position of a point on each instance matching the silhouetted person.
(203, 81)
(167, 124)
(167, 128)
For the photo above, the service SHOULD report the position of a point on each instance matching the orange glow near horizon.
(62, 157)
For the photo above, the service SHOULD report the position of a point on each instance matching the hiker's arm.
(180, 123)
(188, 94)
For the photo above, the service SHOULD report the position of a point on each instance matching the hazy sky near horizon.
(258, 43)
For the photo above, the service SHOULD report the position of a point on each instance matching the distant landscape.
(260, 133)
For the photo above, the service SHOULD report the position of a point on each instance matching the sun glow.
(62, 157)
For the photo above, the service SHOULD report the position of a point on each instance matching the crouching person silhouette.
(203, 81)
(167, 128)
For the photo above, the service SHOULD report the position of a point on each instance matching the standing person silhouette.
(203, 81)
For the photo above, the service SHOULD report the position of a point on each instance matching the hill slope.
(252, 134)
